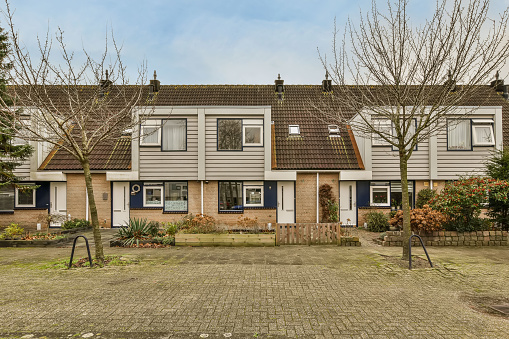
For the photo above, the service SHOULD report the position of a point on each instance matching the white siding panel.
(385, 163)
(247, 164)
(161, 165)
(23, 170)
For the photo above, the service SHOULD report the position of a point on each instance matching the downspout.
(317, 198)
(201, 197)
(86, 204)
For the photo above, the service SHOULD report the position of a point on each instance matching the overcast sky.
(205, 42)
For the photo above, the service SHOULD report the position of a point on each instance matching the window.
(150, 133)
(482, 131)
(294, 129)
(230, 196)
(6, 198)
(152, 196)
(409, 135)
(175, 196)
(384, 126)
(379, 194)
(333, 130)
(253, 132)
(25, 197)
(229, 134)
(458, 135)
(396, 194)
(175, 135)
(253, 196)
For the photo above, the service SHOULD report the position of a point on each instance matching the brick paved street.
(292, 291)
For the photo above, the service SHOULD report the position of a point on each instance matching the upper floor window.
(25, 197)
(458, 135)
(482, 132)
(150, 133)
(174, 135)
(385, 127)
(229, 134)
(253, 132)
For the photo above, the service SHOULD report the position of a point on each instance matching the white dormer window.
(482, 132)
(333, 130)
(150, 133)
(294, 130)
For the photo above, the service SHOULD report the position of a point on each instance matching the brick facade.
(25, 218)
(76, 197)
(305, 193)
(210, 208)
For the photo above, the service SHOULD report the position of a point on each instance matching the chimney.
(450, 83)
(498, 84)
(154, 84)
(506, 94)
(327, 84)
(279, 87)
(104, 84)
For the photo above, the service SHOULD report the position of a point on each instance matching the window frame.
(153, 186)
(241, 210)
(150, 124)
(10, 193)
(246, 123)
(186, 183)
(241, 135)
(475, 123)
(388, 191)
(469, 129)
(294, 133)
(16, 196)
(376, 140)
(163, 122)
(244, 195)
(394, 148)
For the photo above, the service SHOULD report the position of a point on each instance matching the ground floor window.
(25, 197)
(175, 196)
(230, 195)
(379, 193)
(152, 196)
(6, 198)
(396, 194)
(253, 195)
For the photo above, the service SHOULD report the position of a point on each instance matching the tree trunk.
(407, 231)
(99, 253)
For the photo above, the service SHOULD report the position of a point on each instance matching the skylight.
(333, 129)
(293, 129)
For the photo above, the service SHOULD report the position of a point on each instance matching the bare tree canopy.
(74, 106)
(406, 79)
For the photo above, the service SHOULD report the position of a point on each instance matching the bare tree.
(76, 108)
(409, 78)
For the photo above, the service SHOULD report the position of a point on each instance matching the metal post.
(410, 251)
(74, 246)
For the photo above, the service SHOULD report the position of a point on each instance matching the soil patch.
(417, 262)
(483, 304)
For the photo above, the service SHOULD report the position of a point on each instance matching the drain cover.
(504, 308)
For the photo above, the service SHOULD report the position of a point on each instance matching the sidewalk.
(287, 291)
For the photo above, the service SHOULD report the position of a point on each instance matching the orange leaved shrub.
(421, 219)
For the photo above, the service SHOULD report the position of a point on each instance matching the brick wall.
(305, 194)
(76, 197)
(210, 207)
(27, 219)
(445, 238)
(363, 211)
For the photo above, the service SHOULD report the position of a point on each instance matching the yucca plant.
(138, 229)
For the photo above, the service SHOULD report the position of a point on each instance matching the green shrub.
(475, 224)
(76, 223)
(333, 211)
(12, 231)
(154, 227)
(138, 229)
(377, 222)
(424, 196)
(171, 228)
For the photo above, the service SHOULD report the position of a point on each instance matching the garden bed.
(30, 243)
(183, 239)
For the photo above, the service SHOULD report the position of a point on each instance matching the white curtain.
(459, 135)
(174, 135)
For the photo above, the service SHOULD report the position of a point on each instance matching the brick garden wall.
(445, 238)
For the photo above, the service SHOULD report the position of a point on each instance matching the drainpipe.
(86, 204)
(201, 197)
(317, 198)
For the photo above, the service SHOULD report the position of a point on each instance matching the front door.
(285, 202)
(58, 203)
(347, 203)
(120, 204)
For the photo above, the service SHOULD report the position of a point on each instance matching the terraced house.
(257, 151)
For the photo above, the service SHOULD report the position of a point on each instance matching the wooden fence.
(308, 234)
